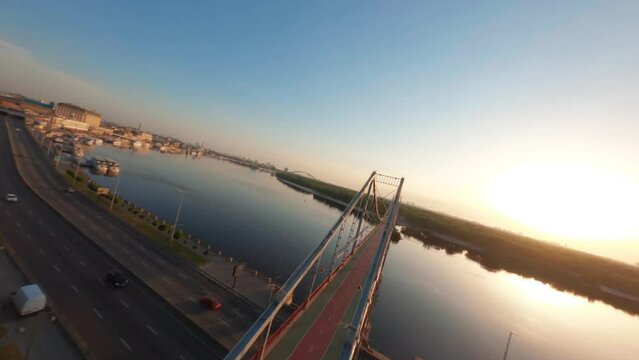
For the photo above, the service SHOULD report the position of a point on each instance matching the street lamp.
(75, 176)
(510, 335)
(115, 193)
(177, 217)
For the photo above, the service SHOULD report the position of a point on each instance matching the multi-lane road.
(130, 323)
(170, 277)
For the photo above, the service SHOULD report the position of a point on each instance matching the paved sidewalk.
(39, 335)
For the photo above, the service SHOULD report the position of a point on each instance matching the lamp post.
(115, 193)
(75, 176)
(510, 335)
(177, 217)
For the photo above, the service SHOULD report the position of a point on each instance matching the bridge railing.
(265, 320)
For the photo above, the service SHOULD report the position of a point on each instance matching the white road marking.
(66, 248)
(97, 313)
(225, 323)
(166, 280)
(192, 299)
(17, 224)
(100, 280)
(125, 344)
(152, 330)
(83, 217)
(159, 260)
(124, 303)
(41, 251)
(311, 349)
(109, 237)
(321, 331)
(181, 275)
(145, 264)
(126, 250)
(181, 357)
(238, 313)
(75, 289)
(141, 247)
(56, 268)
(83, 264)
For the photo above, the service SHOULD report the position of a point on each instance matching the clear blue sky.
(449, 94)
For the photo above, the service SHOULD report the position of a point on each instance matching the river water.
(431, 305)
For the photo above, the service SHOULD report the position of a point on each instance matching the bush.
(155, 223)
(93, 186)
(178, 235)
(163, 227)
(136, 211)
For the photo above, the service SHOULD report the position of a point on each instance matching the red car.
(211, 303)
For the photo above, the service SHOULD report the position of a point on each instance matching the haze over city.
(520, 115)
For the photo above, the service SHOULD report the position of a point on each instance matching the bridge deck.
(320, 332)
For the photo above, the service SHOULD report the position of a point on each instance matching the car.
(210, 302)
(11, 197)
(70, 190)
(116, 279)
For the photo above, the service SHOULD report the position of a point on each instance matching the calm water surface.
(431, 305)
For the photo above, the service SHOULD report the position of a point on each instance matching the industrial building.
(76, 113)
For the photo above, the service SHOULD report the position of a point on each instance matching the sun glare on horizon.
(569, 200)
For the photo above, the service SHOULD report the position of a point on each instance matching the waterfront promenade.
(176, 281)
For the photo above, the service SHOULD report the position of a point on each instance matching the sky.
(495, 111)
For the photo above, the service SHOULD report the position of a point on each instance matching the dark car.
(116, 279)
(211, 303)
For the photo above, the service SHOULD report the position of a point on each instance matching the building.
(76, 113)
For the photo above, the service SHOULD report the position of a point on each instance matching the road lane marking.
(311, 349)
(192, 299)
(17, 224)
(83, 264)
(166, 280)
(97, 313)
(125, 344)
(109, 237)
(321, 332)
(41, 251)
(141, 247)
(101, 281)
(181, 357)
(238, 313)
(56, 268)
(75, 289)
(124, 303)
(145, 264)
(152, 330)
(225, 323)
(82, 217)
(159, 260)
(126, 250)
(181, 275)
(66, 248)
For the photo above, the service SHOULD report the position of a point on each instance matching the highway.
(170, 277)
(130, 323)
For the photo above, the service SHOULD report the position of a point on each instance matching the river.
(431, 305)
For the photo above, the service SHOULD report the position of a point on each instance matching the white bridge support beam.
(371, 281)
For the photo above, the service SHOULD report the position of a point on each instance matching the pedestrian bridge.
(332, 319)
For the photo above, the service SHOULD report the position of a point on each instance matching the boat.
(113, 167)
(137, 144)
(117, 143)
(98, 142)
(99, 165)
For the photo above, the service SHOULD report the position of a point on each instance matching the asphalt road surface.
(129, 323)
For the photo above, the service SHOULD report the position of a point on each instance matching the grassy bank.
(565, 269)
(140, 220)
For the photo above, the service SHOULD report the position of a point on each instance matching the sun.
(569, 200)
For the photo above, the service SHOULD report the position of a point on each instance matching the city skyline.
(463, 106)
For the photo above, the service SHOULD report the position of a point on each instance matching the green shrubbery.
(163, 227)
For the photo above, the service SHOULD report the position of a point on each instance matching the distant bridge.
(302, 173)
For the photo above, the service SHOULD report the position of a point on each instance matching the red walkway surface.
(319, 335)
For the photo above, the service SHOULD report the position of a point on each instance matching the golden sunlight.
(569, 200)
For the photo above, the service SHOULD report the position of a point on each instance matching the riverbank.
(565, 269)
